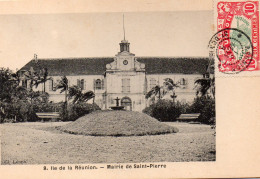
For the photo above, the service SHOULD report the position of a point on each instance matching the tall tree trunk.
(66, 106)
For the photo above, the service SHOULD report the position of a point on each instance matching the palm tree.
(161, 91)
(155, 91)
(32, 77)
(64, 86)
(79, 96)
(42, 78)
(207, 83)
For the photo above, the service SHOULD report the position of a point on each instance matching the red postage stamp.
(236, 43)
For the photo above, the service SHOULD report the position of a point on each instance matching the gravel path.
(40, 143)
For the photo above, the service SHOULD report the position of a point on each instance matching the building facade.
(124, 76)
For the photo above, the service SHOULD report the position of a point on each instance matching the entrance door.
(127, 103)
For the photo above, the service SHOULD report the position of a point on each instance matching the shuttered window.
(183, 81)
(50, 85)
(82, 86)
(125, 85)
(78, 83)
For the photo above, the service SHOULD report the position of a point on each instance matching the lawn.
(41, 143)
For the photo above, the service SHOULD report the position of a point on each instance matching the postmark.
(237, 37)
(233, 49)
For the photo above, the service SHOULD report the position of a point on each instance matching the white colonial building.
(125, 76)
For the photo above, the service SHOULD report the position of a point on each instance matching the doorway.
(127, 103)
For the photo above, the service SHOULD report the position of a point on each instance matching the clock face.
(125, 62)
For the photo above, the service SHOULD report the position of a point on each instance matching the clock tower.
(125, 60)
(125, 79)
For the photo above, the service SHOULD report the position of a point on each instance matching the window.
(183, 81)
(81, 83)
(50, 85)
(152, 83)
(125, 85)
(98, 84)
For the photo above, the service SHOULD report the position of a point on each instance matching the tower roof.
(124, 41)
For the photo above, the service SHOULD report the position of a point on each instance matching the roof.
(97, 66)
(187, 65)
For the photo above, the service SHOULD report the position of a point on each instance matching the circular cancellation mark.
(233, 49)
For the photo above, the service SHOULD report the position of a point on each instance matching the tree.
(43, 77)
(161, 92)
(31, 76)
(8, 85)
(206, 85)
(16, 102)
(155, 91)
(7, 90)
(76, 93)
(64, 86)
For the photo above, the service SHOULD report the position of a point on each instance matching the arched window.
(152, 83)
(98, 84)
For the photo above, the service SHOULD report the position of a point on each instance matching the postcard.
(129, 89)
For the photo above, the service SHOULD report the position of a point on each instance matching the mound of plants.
(117, 123)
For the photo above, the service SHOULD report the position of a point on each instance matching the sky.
(174, 34)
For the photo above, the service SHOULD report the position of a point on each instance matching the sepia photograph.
(129, 89)
(107, 88)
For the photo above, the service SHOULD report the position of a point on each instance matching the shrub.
(164, 110)
(23, 110)
(47, 107)
(18, 111)
(204, 105)
(74, 111)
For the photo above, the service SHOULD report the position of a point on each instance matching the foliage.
(18, 103)
(160, 91)
(154, 91)
(206, 86)
(8, 85)
(77, 110)
(164, 110)
(34, 77)
(206, 106)
(63, 84)
(79, 97)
